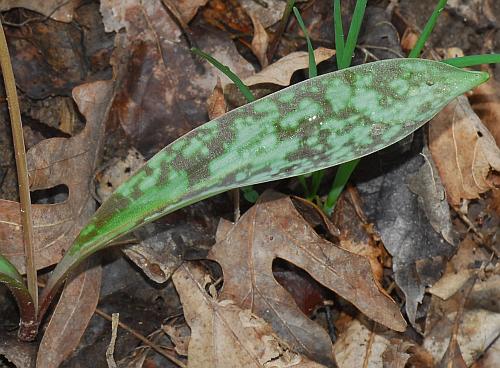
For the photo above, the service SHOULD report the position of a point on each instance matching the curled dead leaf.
(260, 41)
(464, 151)
(280, 72)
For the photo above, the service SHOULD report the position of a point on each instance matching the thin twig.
(22, 166)
(144, 339)
(482, 240)
(110, 351)
(282, 26)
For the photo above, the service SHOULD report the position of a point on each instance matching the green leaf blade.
(11, 278)
(316, 124)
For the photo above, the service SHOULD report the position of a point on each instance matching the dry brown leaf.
(453, 358)
(55, 161)
(354, 236)
(478, 12)
(427, 184)
(70, 318)
(491, 358)
(224, 335)
(162, 88)
(260, 41)
(409, 39)
(188, 8)
(117, 172)
(480, 324)
(274, 229)
(486, 103)
(60, 10)
(180, 336)
(374, 347)
(282, 70)
(18, 353)
(216, 104)
(268, 15)
(464, 151)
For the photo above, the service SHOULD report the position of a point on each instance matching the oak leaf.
(225, 335)
(274, 229)
(52, 162)
(281, 71)
(464, 151)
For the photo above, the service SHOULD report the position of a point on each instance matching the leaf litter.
(248, 288)
(274, 229)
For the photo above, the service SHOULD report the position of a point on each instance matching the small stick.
(115, 319)
(22, 166)
(142, 338)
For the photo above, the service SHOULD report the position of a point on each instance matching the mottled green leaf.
(319, 123)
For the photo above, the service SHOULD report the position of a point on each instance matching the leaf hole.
(305, 290)
(479, 134)
(53, 195)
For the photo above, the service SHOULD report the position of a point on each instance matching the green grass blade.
(429, 27)
(10, 277)
(317, 177)
(341, 178)
(313, 70)
(228, 72)
(473, 60)
(352, 37)
(339, 31)
(295, 131)
(250, 194)
(348, 52)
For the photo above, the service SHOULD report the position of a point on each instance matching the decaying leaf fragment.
(260, 41)
(274, 229)
(479, 326)
(70, 318)
(60, 10)
(365, 344)
(281, 71)
(224, 335)
(464, 151)
(485, 101)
